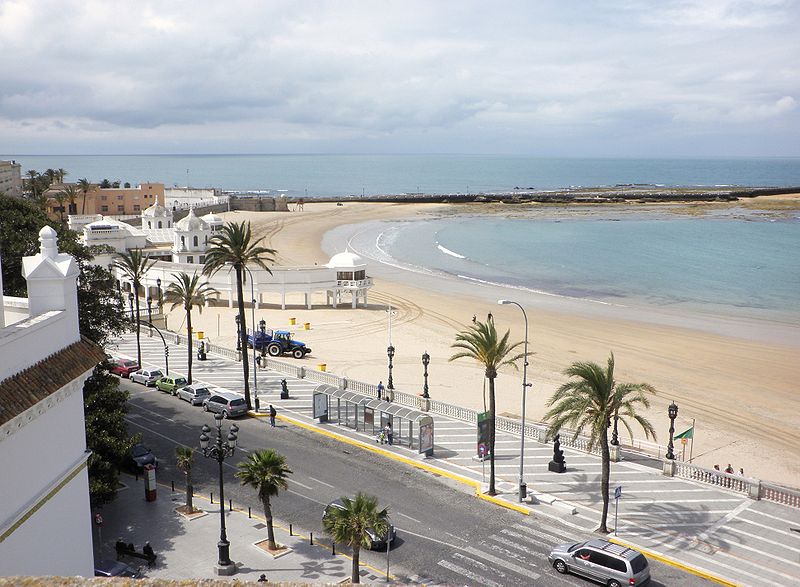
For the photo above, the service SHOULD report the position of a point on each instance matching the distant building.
(11, 178)
(108, 201)
(45, 518)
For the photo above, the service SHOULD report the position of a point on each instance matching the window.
(194, 241)
(121, 208)
(604, 560)
(103, 198)
(104, 208)
(159, 224)
(119, 198)
(206, 240)
(638, 563)
(190, 259)
(136, 207)
(586, 554)
(183, 242)
(202, 259)
(149, 224)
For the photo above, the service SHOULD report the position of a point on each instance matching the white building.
(11, 178)
(45, 519)
(191, 239)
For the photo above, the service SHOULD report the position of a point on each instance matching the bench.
(130, 550)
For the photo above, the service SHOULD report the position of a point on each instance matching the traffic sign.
(618, 492)
(98, 519)
(481, 450)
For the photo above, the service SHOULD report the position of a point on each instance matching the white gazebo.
(156, 216)
(351, 278)
(191, 239)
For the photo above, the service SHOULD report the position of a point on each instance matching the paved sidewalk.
(708, 528)
(188, 548)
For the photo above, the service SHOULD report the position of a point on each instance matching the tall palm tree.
(84, 185)
(62, 173)
(266, 472)
(352, 524)
(60, 197)
(71, 193)
(184, 457)
(134, 265)
(51, 174)
(187, 291)
(588, 402)
(480, 342)
(234, 246)
(33, 177)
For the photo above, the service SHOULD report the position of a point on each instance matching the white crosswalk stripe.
(502, 563)
(481, 580)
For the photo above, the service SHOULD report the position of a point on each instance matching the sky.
(625, 78)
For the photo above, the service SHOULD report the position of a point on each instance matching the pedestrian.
(272, 413)
(263, 578)
(380, 389)
(389, 432)
(489, 317)
(729, 469)
(474, 319)
(741, 472)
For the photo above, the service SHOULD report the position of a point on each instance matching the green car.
(171, 384)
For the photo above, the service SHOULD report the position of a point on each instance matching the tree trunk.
(492, 490)
(83, 205)
(354, 576)
(138, 343)
(189, 342)
(605, 474)
(270, 531)
(243, 338)
(189, 492)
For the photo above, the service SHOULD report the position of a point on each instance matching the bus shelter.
(370, 415)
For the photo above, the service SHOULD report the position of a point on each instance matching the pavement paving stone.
(716, 530)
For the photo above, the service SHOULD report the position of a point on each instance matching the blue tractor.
(278, 342)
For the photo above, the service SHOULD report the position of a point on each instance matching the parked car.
(123, 367)
(171, 384)
(377, 542)
(140, 456)
(194, 394)
(112, 568)
(146, 377)
(225, 403)
(600, 560)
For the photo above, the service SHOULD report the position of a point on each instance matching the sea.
(739, 263)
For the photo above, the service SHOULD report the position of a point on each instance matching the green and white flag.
(688, 434)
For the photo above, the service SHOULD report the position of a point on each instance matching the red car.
(123, 367)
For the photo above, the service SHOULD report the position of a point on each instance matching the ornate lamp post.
(389, 383)
(238, 333)
(262, 325)
(672, 411)
(219, 449)
(130, 303)
(150, 314)
(523, 487)
(426, 359)
(614, 435)
(160, 299)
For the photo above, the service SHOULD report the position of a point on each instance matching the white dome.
(155, 211)
(212, 218)
(345, 260)
(191, 223)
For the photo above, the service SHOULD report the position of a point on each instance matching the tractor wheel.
(274, 350)
(298, 353)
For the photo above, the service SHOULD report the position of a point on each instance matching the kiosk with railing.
(370, 415)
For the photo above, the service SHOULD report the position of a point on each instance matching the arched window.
(206, 240)
(159, 224)
(183, 242)
(149, 224)
(195, 241)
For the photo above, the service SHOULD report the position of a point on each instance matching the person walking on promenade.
(729, 469)
(389, 432)
(380, 389)
(272, 413)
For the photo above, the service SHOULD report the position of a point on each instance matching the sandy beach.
(737, 378)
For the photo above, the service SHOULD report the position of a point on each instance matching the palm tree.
(187, 291)
(265, 471)
(590, 401)
(84, 186)
(60, 197)
(133, 264)
(184, 457)
(61, 172)
(481, 343)
(51, 174)
(33, 176)
(233, 246)
(71, 193)
(352, 523)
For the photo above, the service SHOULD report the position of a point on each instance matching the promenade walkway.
(710, 529)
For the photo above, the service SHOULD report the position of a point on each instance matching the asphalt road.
(444, 534)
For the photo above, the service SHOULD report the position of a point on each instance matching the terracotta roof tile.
(30, 386)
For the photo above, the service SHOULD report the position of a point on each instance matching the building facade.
(11, 178)
(45, 517)
(108, 201)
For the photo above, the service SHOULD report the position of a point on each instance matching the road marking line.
(504, 564)
(523, 537)
(468, 574)
(407, 516)
(724, 520)
(539, 533)
(296, 482)
(793, 578)
(321, 482)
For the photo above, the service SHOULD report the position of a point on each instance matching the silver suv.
(225, 403)
(601, 560)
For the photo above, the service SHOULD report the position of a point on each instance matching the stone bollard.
(754, 489)
(669, 468)
(541, 435)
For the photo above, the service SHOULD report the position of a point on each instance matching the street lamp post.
(238, 333)
(263, 327)
(160, 299)
(614, 434)
(219, 449)
(523, 487)
(672, 411)
(389, 383)
(130, 303)
(426, 359)
(150, 313)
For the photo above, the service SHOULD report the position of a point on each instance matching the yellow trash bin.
(200, 335)
(322, 366)
(292, 321)
(307, 326)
